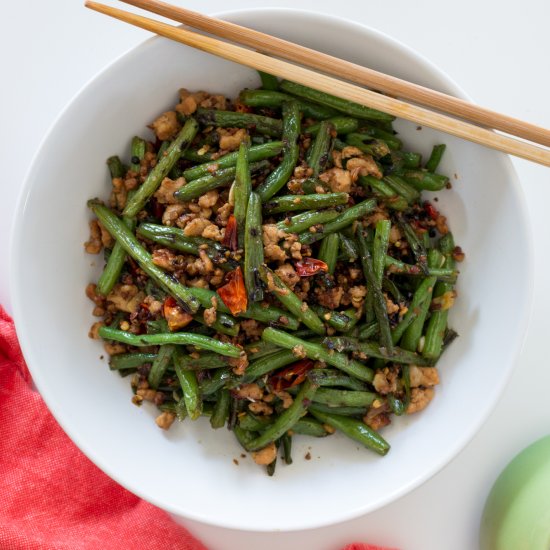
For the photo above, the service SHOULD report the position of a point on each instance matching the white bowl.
(189, 471)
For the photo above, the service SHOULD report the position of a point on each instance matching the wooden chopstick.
(348, 71)
(332, 86)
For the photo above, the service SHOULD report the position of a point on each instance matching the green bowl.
(517, 511)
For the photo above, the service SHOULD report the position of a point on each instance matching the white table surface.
(496, 50)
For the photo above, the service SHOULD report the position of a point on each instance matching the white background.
(497, 50)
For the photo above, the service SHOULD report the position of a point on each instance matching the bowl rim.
(89, 451)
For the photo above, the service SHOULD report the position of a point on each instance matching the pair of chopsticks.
(479, 129)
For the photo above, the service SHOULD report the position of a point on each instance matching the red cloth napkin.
(51, 496)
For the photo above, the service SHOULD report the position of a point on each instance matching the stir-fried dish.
(270, 263)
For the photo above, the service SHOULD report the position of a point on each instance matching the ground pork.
(165, 193)
(166, 126)
(288, 275)
(265, 456)
(420, 398)
(338, 179)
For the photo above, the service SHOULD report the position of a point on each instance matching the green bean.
(289, 203)
(377, 148)
(163, 149)
(255, 154)
(344, 398)
(220, 413)
(137, 152)
(397, 406)
(328, 252)
(435, 157)
(180, 338)
(355, 429)
(201, 155)
(115, 263)
(317, 352)
(319, 153)
(161, 169)
(364, 332)
(175, 238)
(242, 189)
(303, 221)
(269, 81)
(123, 361)
(115, 166)
(341, 124)
(275, 100)
(333, 377)
(401, 268)
(253, 249)
(286, 440)
(189, 386)
(244, 437)
(253, 423)
(219, 379)
(268, 315)
(132, 246)
(402, 188)
(369, 132)
(160, 364)
(286, 419)
(342, 105)
(422, 294)
(298, 308)
(206, 361)
(232, 119)
(391, 288)
(373, 349)
(342, 221)
(314, 185)
(375, 288)
(259, 349)
(427, 181)
(416, 245)
(224, 323)
(342, 321)
(223, 177)
(267, 364)
(411, 337)
(344, 411)
(384, 192)
(256, 350)
(309, 426)
(401, 160)
(380, 248)
(348, 247)
(291, 150)
(270, 468)
(437, 324)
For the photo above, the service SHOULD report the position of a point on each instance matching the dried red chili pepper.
(430, 209)
(174, 314)
(230, 239)
(233, 293)
(310, 266)
(292, 375)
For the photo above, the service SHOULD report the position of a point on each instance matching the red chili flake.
(233, 293)
(292, 375)
(174, 314)
(431, 210)
(230, 239)
(310, 266)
